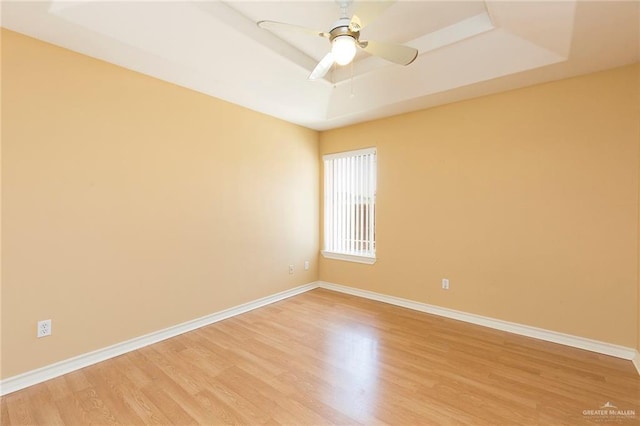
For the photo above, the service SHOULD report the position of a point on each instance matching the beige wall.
(130, 204)
(526, 200)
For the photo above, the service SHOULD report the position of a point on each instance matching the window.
(349, 206)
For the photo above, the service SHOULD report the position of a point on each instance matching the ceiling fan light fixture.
(343, 49)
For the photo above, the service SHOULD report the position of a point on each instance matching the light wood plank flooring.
(329, 358)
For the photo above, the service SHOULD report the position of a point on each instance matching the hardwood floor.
(328, 358)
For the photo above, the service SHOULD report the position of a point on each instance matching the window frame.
(369, 256)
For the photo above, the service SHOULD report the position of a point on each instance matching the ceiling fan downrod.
(344, 8)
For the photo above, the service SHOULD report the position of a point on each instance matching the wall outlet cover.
(44, 328)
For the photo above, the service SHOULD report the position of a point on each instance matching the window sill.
(349, 257)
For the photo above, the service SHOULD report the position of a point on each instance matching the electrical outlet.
(445, 284)
(44, 328)
(306, 265)
(291, 269)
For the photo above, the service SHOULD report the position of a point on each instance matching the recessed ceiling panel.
(467, 49)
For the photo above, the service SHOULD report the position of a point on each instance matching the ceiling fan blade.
(396, 53)
(277, 26)
(366, 12)
(322, 68)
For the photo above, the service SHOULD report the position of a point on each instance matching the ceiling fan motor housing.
(341, 28)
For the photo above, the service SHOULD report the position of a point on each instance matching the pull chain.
(352, 94)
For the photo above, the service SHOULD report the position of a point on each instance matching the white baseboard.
(524, 330)
(39, 375)
(636, 361)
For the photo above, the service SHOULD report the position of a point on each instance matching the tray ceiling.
(467, 49)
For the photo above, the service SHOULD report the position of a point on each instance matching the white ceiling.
(467, 49)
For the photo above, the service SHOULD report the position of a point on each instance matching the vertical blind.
(349, 202)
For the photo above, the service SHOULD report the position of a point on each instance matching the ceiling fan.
(344, 36)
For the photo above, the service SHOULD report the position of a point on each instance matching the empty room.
(320, 212)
